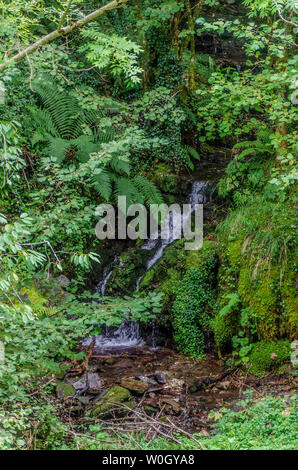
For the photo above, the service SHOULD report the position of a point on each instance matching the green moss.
(267, 356)
(290, 303)
(166, 181)
(257, 244)
(260, 294)
(224, 328)
(65, 390)
(234, 252)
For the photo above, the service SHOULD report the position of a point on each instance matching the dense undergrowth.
(137, 103)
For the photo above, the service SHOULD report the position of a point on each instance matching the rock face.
(136, 386)
(107, 405)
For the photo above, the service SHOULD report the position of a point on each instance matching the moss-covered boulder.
(166, 180)
(258, 266)
(65, 390)
(107, 405)
(139, 387)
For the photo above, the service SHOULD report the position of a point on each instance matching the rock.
(160, 378)
(95, 383)
(147, 379)
(65, 390)
(106, 406)
(80, 384)
(111, 360)
(136, 386)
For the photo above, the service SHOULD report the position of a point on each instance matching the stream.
(159, 381)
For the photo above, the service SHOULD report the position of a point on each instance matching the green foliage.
(268, 356)
(269, 423)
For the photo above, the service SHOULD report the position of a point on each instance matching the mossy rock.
(131, 265)
(290, 302)
(65, 390)
(138, 387)
(106, 406)
(265, 357)
(260, 294)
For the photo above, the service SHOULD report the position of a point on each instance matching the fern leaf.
(103, 184)
(148, 189)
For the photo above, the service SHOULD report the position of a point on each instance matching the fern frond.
(125, 187)
(102, 183)
(85, 146)
(58, 148)
(148, 189)
(44, 120)
(119, 165)
(64, 110)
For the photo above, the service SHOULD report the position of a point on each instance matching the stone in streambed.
(136, 386)
(147, 379)
(107, 405)
(160, 378)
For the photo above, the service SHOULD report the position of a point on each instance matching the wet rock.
(65, 390)
(125, 364)
(160, 378)
(136, 386)
(93, 385)
(107, 405)
(80, 384)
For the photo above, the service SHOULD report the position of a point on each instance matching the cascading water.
(128, 336)
(197, 196)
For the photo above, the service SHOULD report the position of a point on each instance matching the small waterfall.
(107, 273)
(197, 196)
(127, 335)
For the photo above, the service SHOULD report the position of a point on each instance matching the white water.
(128, 334)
